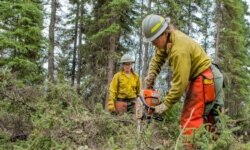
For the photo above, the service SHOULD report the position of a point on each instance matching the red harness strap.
(199, 92)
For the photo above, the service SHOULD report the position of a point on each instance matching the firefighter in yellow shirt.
(193, 73)
(124, 88)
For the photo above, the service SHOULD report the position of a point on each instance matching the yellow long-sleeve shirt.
(187, 60)
(124, 86)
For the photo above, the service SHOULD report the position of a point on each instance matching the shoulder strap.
(216, 65)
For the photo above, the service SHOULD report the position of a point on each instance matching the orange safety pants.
(200, 91)
(125, 105)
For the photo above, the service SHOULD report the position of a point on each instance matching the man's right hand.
(150, 80)
(111, 106)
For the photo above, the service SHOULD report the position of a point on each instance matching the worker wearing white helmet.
(193, 73)
(124, 88)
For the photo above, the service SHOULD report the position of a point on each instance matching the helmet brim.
(126, 62)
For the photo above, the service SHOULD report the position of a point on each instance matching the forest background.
(58, 57)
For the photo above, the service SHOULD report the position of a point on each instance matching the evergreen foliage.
(44, 115)
(21, 38)
(183, 14)
(58, 119)
(233, 54)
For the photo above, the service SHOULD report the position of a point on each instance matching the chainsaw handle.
(145, 104)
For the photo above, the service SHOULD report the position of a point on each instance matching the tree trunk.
(79, 60)
(145, 57)
(75, 46)
(111, 65)
(189, 17)
(218, 24)
(206, 28)
(51, 66)
(140, 43)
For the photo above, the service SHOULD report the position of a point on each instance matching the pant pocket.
(209, 90)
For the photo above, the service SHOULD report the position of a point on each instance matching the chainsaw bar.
(142, 110)
(145, 104)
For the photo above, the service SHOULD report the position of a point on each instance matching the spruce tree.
(21, 38)
(233, 55)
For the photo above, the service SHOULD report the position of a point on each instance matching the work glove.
(150, 81)
(159, 109)
(111, 106)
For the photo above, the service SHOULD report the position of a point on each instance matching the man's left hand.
(161, 108)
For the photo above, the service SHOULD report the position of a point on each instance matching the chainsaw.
(146, 103)
(145, 107)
